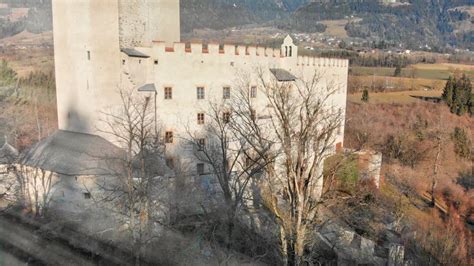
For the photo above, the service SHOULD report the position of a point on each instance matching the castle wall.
(184, 68)
(143, 21)
(87, 61)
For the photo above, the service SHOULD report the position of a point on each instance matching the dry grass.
(335, 27)
(423, 71)
(445, 66)
(28, 52)
(400, 97)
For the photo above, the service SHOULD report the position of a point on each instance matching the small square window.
(200, 93)
(200, 168)
(226, 93)
(169, 137)
(200, 118)
(226, 117)
(87, 195)
(253, 92)
(201, 144)
(168, 93)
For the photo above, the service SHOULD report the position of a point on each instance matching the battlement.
(321, 61)
(243, 50)
(217, 49)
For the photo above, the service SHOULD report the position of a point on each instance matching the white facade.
(90, 67)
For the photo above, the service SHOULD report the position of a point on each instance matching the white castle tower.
(88, 38)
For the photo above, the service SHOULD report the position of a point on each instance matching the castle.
(101, 46)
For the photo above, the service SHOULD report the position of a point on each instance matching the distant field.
(28, 52)
(336, 27)
(423, 71)
(393, 97)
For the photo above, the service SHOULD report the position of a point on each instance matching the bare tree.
(230, 159)
(36, 187)
(138, 170)
(293, 137)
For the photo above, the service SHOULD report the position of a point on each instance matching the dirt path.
(15, 236)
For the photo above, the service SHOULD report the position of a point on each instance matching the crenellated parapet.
(243, 51)
(321, 61)
(216, 49)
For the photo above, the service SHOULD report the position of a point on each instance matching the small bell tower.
(288, 48)
(289, 53)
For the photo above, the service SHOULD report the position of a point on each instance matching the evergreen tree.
(365, 96)
(458, 95)
(398, 71)
(462, 143)
(448, 91)
(471, 104)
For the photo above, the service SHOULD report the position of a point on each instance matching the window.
(253, 114)
(156, 62)
(226, 93)
(140, 61)
(200, 93)
(253, 92)
(168, 93)
(200, 118)
(201, 143)
(169, 137)
(89, 55)
(226, 117)
(170, 163)
(200, 168)
(87, 195)
(123, 61)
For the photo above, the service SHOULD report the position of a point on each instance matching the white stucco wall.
(87, 61)
(88, 36)
(186, 69)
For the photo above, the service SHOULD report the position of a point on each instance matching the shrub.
(365, 95)
(462, 143)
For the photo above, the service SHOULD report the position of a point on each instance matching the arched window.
(286, 51)
(291, 51)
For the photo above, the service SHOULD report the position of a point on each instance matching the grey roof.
(282, 74)
(8, 154)
(75, 154)
(150, 87)
(133, 53)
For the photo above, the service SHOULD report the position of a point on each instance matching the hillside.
(411, 23)
(220, 14)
